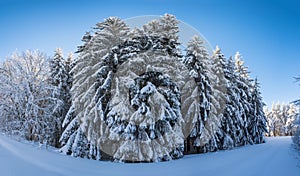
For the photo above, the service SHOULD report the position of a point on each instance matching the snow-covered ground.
(276, 157)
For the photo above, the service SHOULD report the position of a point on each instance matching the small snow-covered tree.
(286, 109)
(27, 103)
(267, 113)
(275, 121)
(293, 113)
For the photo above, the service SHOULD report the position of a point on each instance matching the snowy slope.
(276, 157)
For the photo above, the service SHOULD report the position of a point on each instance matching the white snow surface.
(276, 157)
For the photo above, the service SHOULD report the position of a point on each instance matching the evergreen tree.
(296, 136)
(285, 119)
(258, 124)
(232, 123)
(109, 33)
(218, 100)
(245, 106)
(268, 115)
(197, 61)
(139, 124)
(59, 78)
(290, 126)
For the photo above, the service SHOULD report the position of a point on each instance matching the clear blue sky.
(267, 33)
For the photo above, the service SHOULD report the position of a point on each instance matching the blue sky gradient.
(266, 32)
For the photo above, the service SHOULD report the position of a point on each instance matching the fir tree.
(197, 61)
(59, 78)
(257, 127)
(139, 124)
(218, 99)
(232, 123)
(296, 136)
(245, 106)
(109, 33)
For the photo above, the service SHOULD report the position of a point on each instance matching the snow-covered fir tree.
(258, 122)
(109, 33)
(60, 79)
(139, 100)
(245, 106)
(218, 100)
(232, 123)
(296, 123)
(198, 63)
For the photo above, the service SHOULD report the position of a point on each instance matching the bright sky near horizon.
(265, 32)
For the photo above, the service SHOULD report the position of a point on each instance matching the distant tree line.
(281, 119)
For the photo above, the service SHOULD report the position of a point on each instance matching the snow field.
(275, 157)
